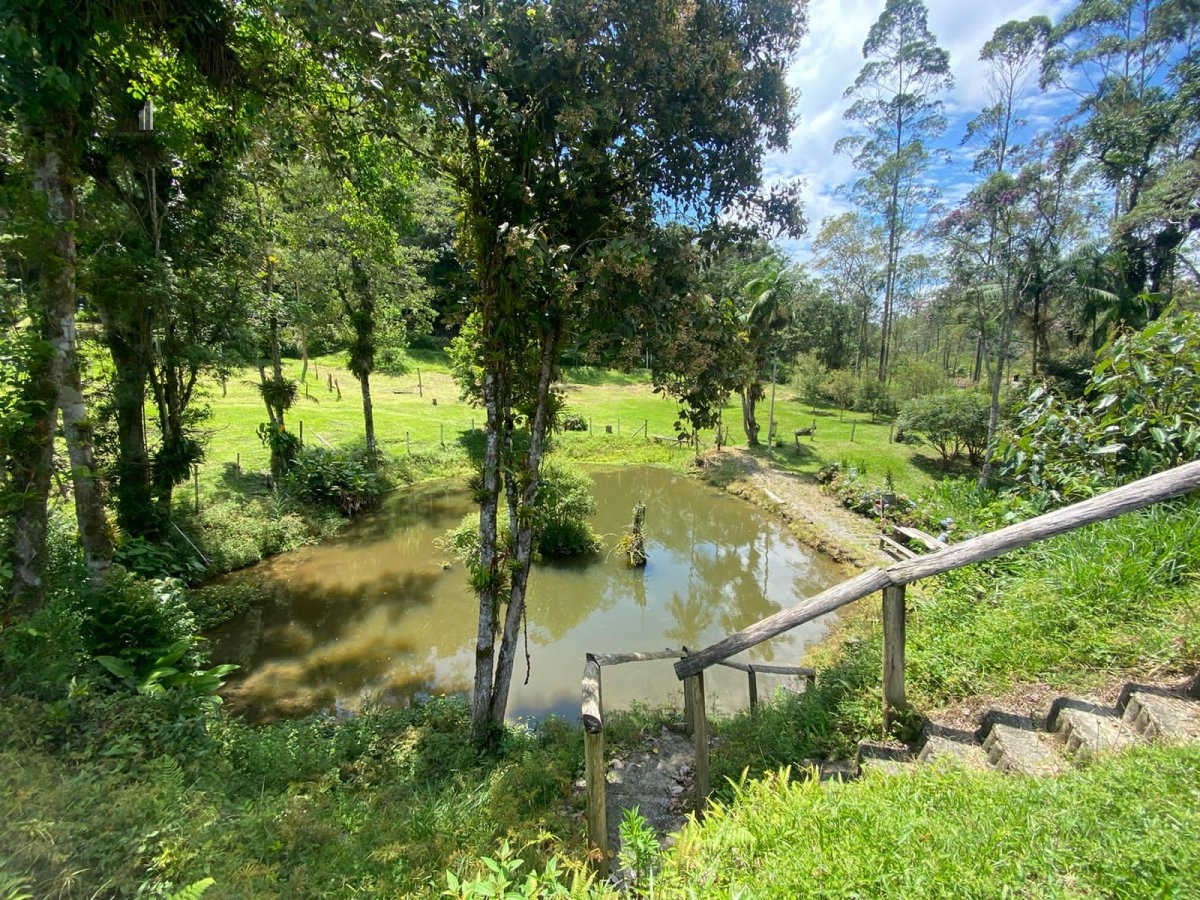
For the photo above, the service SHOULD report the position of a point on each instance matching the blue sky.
(830, 58)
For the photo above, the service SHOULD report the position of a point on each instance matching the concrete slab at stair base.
(883, 758)
(942, 749)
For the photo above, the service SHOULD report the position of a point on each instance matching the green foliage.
(952, 423)
(502, 879)
(563, 504)
(193, 689)
(133, 619)
(348, 481)
(155, 559)
(824, 722)
(841, 388)
(874, 397)
(848, 482)
(1140, 414)
(640, 853)
(1119, 828)
(113, 794)
(284, 447)
(1118, 595)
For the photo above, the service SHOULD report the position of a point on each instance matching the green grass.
(1118, 596)
(1124, 827)
(622, 409)
(128, 801)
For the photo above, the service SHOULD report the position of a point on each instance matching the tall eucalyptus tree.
(897, 109)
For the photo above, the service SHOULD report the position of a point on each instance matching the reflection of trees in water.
(341, 619)
(692, 618)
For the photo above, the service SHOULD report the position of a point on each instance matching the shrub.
(1140, 414)
(347, 481)
(563, 504)
(134, 620)
(873, 397)
(951, 423)
(574, 422)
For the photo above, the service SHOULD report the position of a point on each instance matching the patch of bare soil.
(657, 779)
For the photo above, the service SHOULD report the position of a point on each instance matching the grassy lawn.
(624, 414)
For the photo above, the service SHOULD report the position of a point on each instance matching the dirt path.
(814, 517)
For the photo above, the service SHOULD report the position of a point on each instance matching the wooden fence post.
(893, 653)
(694, 688)
(593, 762)
(753, 690)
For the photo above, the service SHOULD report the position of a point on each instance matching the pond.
(376, 615)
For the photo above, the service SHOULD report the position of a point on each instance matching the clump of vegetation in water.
(561, 529)
(633, 541)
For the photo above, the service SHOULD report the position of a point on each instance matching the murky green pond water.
(374, 615)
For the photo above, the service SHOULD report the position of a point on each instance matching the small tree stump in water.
(634, 541)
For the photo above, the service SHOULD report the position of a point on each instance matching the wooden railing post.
(694, 689)
(689, 717)
(593, 763)
(753, 689)
(893, 654)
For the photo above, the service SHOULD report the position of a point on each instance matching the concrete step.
(1010, 748)
(940, 748)
(1088, 729)
(886, 759)
(1162, 717)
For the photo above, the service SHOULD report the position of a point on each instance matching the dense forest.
(193, 194)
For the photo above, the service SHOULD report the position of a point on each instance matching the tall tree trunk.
(523, 535)
(489, 562)
(749, 422)
(364, 381)
(31, 463)
(85, 481)
(128, 345)
(59, 299)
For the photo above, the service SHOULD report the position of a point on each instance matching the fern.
(193, 891)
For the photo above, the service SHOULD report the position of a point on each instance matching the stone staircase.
(1074, 729)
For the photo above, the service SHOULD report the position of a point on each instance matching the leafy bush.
(563, 504)
(873, 397)
(1140, 414)
(574, 422)
(347, 481)
(560, 528)
(848, 483)
(134, 620)
(952, 423)
(158, 559)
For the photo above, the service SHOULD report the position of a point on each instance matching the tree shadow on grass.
(936, 469)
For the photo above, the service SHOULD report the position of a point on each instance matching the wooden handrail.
(1128, 498)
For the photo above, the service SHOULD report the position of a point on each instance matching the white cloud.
(830, 58)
